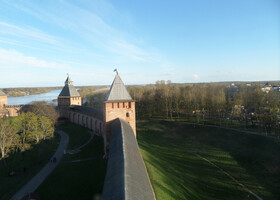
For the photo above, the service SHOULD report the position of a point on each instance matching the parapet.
(13, 106)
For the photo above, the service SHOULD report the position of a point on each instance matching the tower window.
(127, 114)
(129, 104)
(118, 105)
(123, 105)
(112, 105)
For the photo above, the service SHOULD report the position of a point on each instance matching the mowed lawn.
(77, 180)
(172, 153)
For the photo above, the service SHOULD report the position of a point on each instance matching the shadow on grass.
(78, 180)
(176, 173)
(24, 165)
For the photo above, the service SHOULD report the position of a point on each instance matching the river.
(49, 96)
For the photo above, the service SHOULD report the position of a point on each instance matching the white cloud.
(15, 59)
(30, 32)
(89, 26)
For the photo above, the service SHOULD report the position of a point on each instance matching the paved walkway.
(34, 183)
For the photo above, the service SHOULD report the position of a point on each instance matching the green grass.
(34, 159)
(78, 180)
(169, 149)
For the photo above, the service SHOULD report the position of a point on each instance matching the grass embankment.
(32, 159)
(77, 180)
(169, 150)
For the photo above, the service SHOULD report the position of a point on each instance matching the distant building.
(5, 109)
(276, 88)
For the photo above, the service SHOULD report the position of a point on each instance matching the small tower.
(3, 99)
(68, 96)
(119, 104)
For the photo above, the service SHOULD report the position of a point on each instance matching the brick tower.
(119, 104)
(67, 97)
(3, 99)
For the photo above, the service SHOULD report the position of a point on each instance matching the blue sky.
(182, 41)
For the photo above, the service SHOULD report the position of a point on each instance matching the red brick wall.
(3, 101)
(12, 112)
(76, 101)
(123, 110)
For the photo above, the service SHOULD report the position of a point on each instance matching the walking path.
(34, 183)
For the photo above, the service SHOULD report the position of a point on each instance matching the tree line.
(17, 92)
(218, 103)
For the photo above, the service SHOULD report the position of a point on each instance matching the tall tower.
(67, 97)
(3, 99)
(119, 104)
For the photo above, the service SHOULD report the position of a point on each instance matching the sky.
(179, 40)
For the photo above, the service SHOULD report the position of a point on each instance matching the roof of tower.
(69, 90)
(118, 91)
(2, 93)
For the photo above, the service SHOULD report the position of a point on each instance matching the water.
(49, 96)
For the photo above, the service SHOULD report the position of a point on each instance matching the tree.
(22, 123)
(8, 137)
(46, 126)
(42, 108)
(35, 131)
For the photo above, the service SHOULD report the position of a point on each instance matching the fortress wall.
(86, 120)
(13, 110)
(10, 110)
(126, 177)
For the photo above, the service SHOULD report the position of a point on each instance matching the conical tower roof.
(118, 91)
(69, 90)
(2, 93)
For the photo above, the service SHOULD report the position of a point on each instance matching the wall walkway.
(126, 177)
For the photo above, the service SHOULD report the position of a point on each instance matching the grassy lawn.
(77, 180)
(169, 150)
(33, 159)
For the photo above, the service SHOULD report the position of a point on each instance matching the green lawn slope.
(173, 153)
